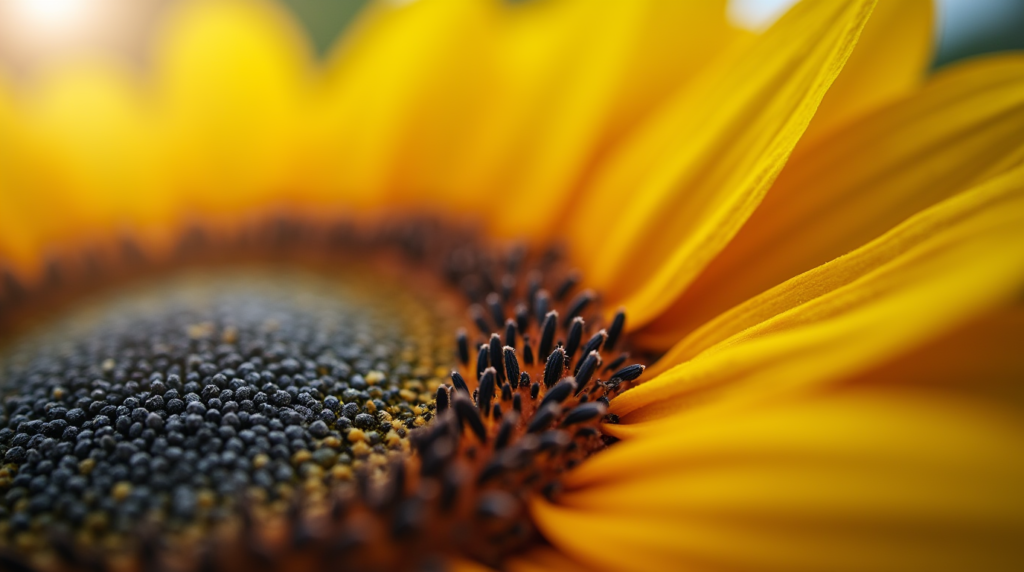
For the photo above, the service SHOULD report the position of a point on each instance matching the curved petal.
(868, 480)
(892, 58)
(232, 79)
(684, 185)
(600, 69)
(928, 276)
(854, 185)
(453, 105)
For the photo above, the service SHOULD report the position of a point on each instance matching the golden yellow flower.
(819, 246)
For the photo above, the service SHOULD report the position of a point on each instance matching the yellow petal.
(403, 90)
(83, 166)
(891, 59)
(586, 73)
(97, 126)
(232, 78)
(981, 359)
(935, 272)
(19, 248)
(859, 481)
(685, 184)
(453, 106)
(851, 187)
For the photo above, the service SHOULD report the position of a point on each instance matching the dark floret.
(184, 408)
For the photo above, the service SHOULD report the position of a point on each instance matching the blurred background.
(966, 27)
(34, 31)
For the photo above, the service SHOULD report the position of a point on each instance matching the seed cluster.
(234, 391)
(268, 423)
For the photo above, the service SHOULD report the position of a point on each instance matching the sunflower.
(232, 284)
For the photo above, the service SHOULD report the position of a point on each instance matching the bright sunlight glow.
(50, 16)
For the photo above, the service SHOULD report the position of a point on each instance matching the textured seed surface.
(294, 421)
(172, 403)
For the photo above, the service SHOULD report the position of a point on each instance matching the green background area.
(325, 20)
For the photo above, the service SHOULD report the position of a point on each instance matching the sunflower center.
(239, 418)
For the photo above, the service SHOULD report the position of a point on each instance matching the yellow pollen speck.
(108, 365)
(301, 457)
(392, 439)
(408, 395)
(260, 461)
(421, 371)
(361, 449)
(342, 472)
(356, 436)
(58, 393)
(374, 377)
(331, 441)
(200, 330)
(419, 421)
(121, 490)
(86, 465)
(311, 485)
(229, 335)
(370, 407)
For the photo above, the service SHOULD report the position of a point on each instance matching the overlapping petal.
(935, 272)
(891, 59)
(453, 106)
(686, 182)
(848, 188)
(865, 480)
(602, 67)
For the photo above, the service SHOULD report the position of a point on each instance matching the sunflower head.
(267, 311)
